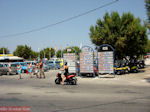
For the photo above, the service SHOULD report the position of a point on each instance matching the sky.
(17, 16)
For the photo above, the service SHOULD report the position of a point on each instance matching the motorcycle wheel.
(74, 82)
(136, 70)
(57, 81)
(118, 72)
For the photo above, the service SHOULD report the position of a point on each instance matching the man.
(36, 70)
(41, 70)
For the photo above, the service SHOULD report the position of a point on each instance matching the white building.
(10, 58)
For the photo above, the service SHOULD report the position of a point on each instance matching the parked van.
(54, 64)
(3, 69)
(8, 68)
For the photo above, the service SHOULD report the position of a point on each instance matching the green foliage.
(4, 50)
(147, 5)
(125, 33)
(148, 46)
(23, 51)
(47, 53)
(72, 49)
(147, 22)
(59, 53)
(34, 55)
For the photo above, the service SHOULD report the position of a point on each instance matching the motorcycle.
(70, 79)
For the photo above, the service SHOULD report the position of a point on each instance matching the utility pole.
(49, 53)
(3, 51)
(39, 54)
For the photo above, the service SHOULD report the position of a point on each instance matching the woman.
(19, 71)
(30, 70)
(66, 72)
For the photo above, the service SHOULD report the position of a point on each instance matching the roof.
(10, 58)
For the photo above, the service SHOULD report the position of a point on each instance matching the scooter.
(121, 69)
(70, 79)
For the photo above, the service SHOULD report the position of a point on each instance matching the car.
(57, 65)
(54, 64)
(3, 69)
(45, 67)
(12, 68)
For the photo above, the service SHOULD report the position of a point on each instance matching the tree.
(147, 5)
(47, 53)
(23, 51)
(147, 22)
(59, 53)
(4, 50)
(148, 46)
(34, 55)
(125, 33)
(74, 49)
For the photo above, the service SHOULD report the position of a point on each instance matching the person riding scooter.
(69, 79)
(66, 72)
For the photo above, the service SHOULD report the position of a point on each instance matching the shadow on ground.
(147, 79)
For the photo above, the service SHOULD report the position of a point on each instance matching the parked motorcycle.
(141, 64)
(70, 79)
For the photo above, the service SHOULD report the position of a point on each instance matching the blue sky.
(18, 16)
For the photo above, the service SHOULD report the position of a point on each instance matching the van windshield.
(13, 65)
(1, 65)
(57, 62)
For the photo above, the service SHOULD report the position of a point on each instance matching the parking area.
(124, 93)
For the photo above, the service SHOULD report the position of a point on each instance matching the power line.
(60, 22)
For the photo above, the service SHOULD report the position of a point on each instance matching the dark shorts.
(65, 74)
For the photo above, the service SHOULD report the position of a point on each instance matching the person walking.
(41, 70)
(30, 70)
(19, 71)
(36, 70)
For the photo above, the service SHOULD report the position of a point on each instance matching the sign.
(105, 48)
(72, 66)
(68, 50)
(105, 62)
(6, 54)
(86, 60)
(70, 58)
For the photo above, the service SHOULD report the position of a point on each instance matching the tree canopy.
(70, 49)
(125, 33)
(4, 50)
(59, 53)
(74, 49)
(47, 53)
(23, 51)
(147, 5)
(148, 46)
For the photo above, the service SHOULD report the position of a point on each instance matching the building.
(10, 58)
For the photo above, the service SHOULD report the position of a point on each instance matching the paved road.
(126, 93)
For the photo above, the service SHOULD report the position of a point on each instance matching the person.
(66, 72)
(19, 71)
(30, 69)
(36, 70)
(41, 70)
